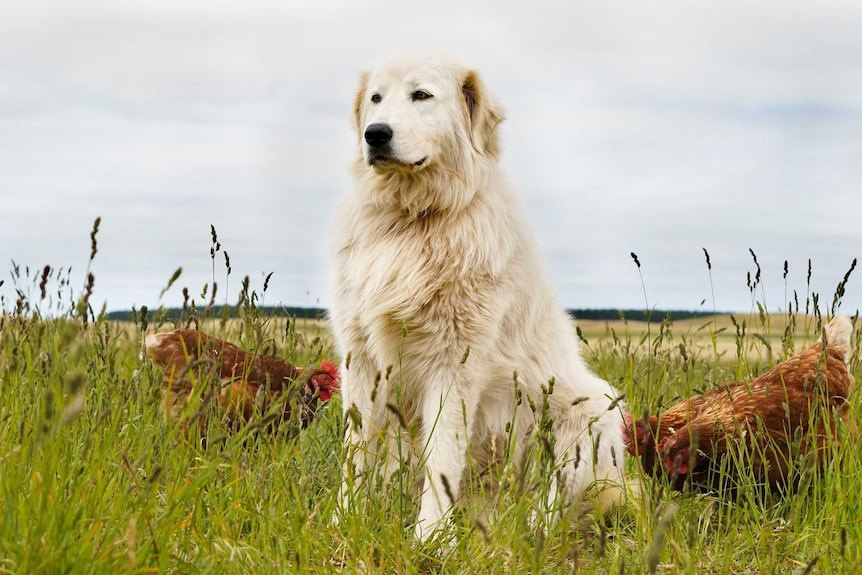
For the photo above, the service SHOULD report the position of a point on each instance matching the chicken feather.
(797, 402)
(246, 382)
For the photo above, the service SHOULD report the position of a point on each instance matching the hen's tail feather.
(839, 332)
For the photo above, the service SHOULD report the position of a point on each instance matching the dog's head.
(423, 112)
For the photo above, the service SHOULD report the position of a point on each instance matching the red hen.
(246, 381)
(800, 398)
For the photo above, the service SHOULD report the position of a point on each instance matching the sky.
(654, 128)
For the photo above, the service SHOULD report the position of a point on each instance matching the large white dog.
(434, 258)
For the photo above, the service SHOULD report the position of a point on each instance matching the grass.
(93, 480)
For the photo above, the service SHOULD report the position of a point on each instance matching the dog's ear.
(483, 113)
(357, 102)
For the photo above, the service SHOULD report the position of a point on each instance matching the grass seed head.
(93, 244)
(43, 282)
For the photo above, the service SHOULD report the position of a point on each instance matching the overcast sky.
(659, 128)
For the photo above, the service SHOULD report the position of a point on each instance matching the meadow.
(94, 480)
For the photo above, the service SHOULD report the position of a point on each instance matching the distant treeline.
(655, 315)
(652, 315)
(177, 313)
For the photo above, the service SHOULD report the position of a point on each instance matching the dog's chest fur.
(427, 275)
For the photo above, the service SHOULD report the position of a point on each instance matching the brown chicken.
(245, 382)
(797, 402)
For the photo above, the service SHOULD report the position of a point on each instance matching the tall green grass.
(93, 480)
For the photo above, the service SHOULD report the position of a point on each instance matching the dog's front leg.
(364, 403)
(448, 410)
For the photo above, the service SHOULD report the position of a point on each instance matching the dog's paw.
(424, 531)
(430, 525)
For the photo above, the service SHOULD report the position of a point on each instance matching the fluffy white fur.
(433, 257)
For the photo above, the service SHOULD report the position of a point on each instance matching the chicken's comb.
(330, 368)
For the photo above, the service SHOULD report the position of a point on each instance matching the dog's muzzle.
(378, 135)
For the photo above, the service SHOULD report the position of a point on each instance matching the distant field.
(696, 333)
(718, 333)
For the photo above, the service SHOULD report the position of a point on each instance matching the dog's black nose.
(378, 135)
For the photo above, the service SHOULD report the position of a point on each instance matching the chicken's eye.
(420, 95)
(375, 98)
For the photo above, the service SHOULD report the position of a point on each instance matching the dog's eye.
(376, 98)
(420, 95)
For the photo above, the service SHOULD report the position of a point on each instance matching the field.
(93, 479)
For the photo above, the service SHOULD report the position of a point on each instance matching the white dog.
(434, 258)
